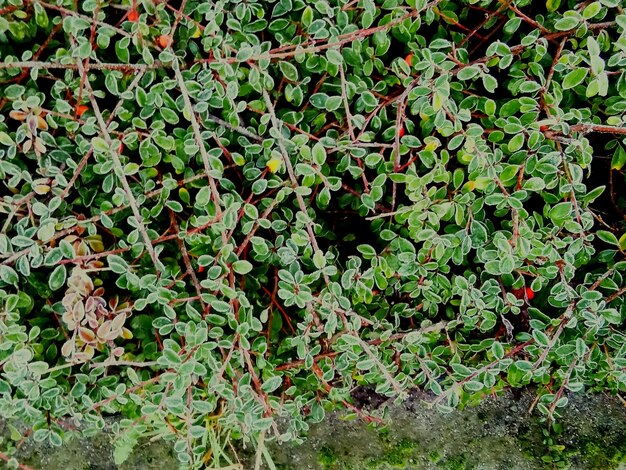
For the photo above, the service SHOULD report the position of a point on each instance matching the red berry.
(401, 132)
(543, 128)
(530, 294)
(201, 269)
(518, 293)
(133, 15)
(409, 59)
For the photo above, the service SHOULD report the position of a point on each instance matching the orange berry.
(164, 40)
(543, 128)
(201, 269)
(133, 15)
(80, 109)
(409, 59)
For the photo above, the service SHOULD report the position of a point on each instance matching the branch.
(600, 128)
(215, 196)
(119, 169)
(36, 64)
(83, 162)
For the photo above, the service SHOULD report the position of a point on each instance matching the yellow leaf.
(553, 5)
(197, 33)
(482, 182)
(431, 144)
(274, 164)
(622, 242)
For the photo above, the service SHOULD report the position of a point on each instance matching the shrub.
(218, 214)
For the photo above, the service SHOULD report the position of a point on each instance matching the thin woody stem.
(119, 169)
(200, 143)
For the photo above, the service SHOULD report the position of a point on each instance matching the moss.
(457, 462)
(596, 456)
(327, 458)
(383, 434)
(434, 456)
(395, 454)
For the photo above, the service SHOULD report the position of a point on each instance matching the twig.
(528, 20)
(188, 267)
(238, 129)
(600, 128)
(292, 175)
(83, 162)
(215, 196)
(555, 337)
(341, 39)
(615, 295)
(346, 105)
(35, 64)
(517, 349)
(392, 381)
(119, 169)
(399, 125)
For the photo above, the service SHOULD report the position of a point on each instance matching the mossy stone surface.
(498, 434)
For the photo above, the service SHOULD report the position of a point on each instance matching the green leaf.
(575, 77)
(619, 158)
(9, 275)
(242, 267)
(319, 154)
(319, 100)
(592, 10)
(244, 54)
(541, 338)
(516, 143)
(367, 251)
(289, 71)
(566, 23)
(307, 17)
(612, 316)
(319, 260)
(561, 212)
(57, 278)
(334, 57)
(5, 139)
(271, 384)
(99, 144)
(534, 184)
(117, 264)
(369, 99)
(469, 72)
(607, 237)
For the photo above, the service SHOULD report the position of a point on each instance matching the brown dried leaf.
(18, 115)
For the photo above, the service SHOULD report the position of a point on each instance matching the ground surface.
(498, 434)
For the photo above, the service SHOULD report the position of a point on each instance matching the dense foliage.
(219, 213)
